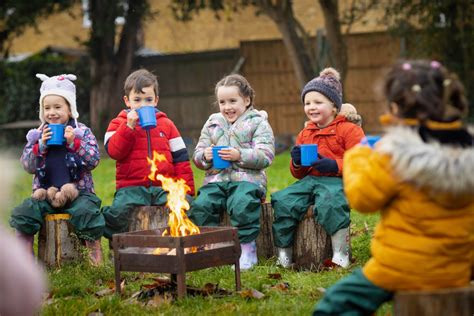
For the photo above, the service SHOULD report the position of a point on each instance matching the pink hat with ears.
(61, 85)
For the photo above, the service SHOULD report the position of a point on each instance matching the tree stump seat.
(148, 217)
(57, 242)
(312, 244)
(458, 301)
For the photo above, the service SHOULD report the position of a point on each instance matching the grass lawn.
(75, 289)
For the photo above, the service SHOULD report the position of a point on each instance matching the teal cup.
(309, 154)
(57, 136)
(370, 140)
(147, 117)
(217, 161)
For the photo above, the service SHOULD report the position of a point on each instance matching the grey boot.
(285, 257)
(340, 247)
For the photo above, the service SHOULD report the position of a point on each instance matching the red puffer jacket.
(333, 141)
(129, 147)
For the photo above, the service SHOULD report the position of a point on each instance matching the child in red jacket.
(130, 145)
(320, 184)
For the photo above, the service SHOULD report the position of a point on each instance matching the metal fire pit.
(216, 246)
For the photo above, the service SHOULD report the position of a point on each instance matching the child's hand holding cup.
(53, 134)
(217, 160)
(309, 154)
(147, 116)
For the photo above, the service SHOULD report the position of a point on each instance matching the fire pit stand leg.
(237, 276)
(181, 275)
(237, 251)
(181, 285)
(117, 267)
(180, 280)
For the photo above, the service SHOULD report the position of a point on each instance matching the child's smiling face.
(56, 109)
(319, 109)
(231, 104)
(137, 99)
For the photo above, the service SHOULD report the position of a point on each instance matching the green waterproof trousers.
(86, 217)
(125, 199)
(241, 200)
(354, 295)
(291, 204)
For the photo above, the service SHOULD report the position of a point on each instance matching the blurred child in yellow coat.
(419, 176)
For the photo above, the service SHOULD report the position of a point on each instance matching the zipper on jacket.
(150, 155)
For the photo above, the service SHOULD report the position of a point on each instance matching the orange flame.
(179, 223)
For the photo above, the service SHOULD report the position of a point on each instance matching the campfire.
(181, 246)
(178, 223)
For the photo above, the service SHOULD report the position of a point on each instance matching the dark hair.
(425, 90)
(240, 82)
(140, 79)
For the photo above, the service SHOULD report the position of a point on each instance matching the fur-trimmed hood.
(445, 172)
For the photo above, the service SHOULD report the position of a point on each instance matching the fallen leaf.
(252, 293)
(321, 289)
(209, 288)
(282, 286)
(159, 300)
(104, 292)
(275, 276)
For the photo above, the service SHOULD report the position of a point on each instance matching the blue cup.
(309, 154)
(147, 117)
(57, 136)
(217, 161)
(370, 140)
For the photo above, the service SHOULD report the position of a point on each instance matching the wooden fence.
(186, 84)
(187, 81)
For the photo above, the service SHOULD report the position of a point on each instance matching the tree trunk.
(338, 48)
(265, 247)
(57, 242)
(110, 64)
(282, 15)
(312, 244)
(458, 302)
(148, 217)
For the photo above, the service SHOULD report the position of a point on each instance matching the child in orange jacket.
(419, 175)
(320, 184)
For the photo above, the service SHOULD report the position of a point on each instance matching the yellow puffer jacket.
(425, 193)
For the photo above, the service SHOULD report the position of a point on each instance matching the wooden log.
(148, 217)
(265, 247)
(312, 244)
(57, 242)
(458, 302)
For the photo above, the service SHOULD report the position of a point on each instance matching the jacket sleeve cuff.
(75, 145)
(39, 149)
